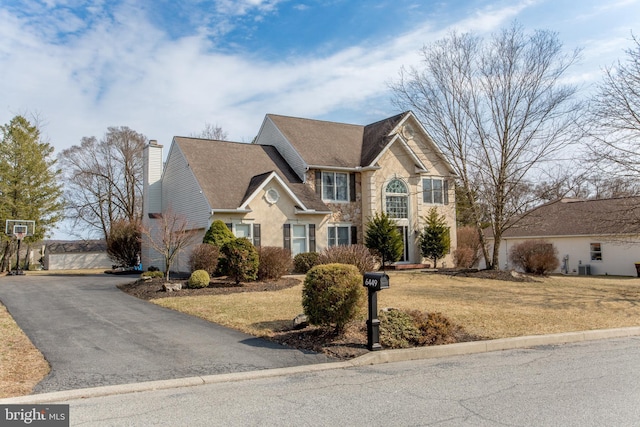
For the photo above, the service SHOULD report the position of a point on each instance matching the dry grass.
(484, 307)
(21, 364)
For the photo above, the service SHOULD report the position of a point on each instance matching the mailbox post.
(374, 282)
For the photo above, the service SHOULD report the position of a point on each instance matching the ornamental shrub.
(358, 255)
(468, 250)
(403, 329)
(198, 279)
(397, 329)
(305, 261)
(332, 295)
(204, 257)
(274, 262)
(242, 260)
(218, 234)
(535, 256)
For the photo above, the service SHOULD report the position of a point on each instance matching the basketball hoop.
(20, 231)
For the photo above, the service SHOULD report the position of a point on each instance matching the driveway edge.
(372, 358)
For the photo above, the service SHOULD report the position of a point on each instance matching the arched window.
(397, 199)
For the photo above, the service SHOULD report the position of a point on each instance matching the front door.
(404, 231)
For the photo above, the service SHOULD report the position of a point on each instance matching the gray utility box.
(375, 281)
(584, 270)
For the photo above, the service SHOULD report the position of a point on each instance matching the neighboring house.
(76, 254)
(597, 237)
(303, 184)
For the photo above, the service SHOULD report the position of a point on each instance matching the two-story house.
(303, 184)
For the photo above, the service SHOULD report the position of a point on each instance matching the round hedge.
(199, 279)
(332, 295)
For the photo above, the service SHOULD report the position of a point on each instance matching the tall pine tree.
(383, 238)
(29, 186)
(435, 239)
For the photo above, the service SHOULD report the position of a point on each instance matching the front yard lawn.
(485, 308)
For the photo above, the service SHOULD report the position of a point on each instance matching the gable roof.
(571, 217)
(320, 142)
(229, 172)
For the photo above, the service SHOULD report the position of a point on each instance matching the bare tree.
(498, 110)
(103, 180)
(211, 132)
(169, 236)
(614, 119)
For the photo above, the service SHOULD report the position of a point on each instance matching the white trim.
(266, 181)
(406, 147)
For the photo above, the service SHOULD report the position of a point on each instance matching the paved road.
(93, 335)
(594, 383)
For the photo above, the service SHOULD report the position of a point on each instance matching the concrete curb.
(372, 358)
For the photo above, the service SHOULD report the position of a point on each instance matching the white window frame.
(243, 224)
(595, 254)
(404, 196)
(333, 197)
(334, 241)
(294, 238)
(432, 192)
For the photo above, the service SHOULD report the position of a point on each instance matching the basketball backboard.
(20, 228)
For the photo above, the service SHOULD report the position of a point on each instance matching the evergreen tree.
(29, 186)
(383, 238)
(218, 234)
(435, 239)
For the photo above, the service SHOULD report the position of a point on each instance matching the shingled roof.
(570, 217)
(323, 143)
(228, 172)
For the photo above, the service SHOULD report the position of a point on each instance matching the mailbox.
(376, 281)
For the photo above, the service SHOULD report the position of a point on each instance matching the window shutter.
(319, 183)
(312, 237)
(352, 187)
(229, 226)
(286, 231)
(354, 235)
(445, 191)
(256, 235)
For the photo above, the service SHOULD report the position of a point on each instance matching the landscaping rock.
(171, 287)
(301, 321)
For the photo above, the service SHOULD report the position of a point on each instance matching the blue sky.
(166, 68)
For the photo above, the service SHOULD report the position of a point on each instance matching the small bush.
(403, 329)
(152, 273)
(435, 329)
(199, 279)
(305, 261)
(204, 257)
(397, 329)
(274, 262)
(468, 251)
(241, 260)
(535, 256)
(153, 268)
(332, 295)
(358, 255)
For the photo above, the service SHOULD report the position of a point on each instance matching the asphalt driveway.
(94, 335)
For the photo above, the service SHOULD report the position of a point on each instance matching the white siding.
(271, 135)
(618, 254)
(181, 192)
(151, 198)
